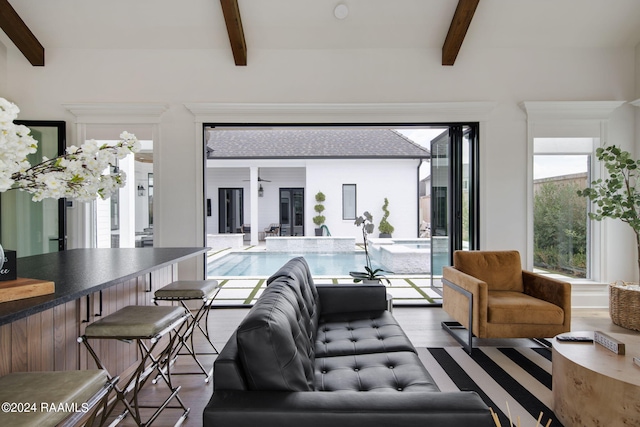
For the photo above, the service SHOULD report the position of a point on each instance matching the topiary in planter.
(385, 228)
(319, 208)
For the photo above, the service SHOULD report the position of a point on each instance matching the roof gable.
(312, 143)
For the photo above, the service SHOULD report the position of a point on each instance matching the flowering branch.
(78, 174)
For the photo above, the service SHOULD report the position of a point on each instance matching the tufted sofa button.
(391, 366)
(356, 369)
(399, 388)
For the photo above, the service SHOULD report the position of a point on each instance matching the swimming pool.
(264, 264)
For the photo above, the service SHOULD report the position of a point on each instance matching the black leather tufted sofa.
(328, 355)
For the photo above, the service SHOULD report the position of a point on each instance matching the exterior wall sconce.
(260, 191)
(141, 190)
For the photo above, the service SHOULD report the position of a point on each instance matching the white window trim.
(568, 119)
(116, 114)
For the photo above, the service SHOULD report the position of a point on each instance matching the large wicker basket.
(624, 305)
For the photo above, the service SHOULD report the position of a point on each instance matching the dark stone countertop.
(80, 272)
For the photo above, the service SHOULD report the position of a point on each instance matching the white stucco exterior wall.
(375, 179)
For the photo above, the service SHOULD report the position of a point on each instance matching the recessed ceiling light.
(341, 11)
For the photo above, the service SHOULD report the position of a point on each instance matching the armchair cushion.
(518, 308)
(501, 270)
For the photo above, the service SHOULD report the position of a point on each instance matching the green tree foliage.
(560, 228)
(617, 196)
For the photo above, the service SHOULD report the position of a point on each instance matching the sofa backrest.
(501, 270)
(274, 349)
(297, 271)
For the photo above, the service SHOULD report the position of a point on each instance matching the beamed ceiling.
(239, 26)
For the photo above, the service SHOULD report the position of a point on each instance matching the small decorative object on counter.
(7, 265)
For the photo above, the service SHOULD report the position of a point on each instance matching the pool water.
(266, 263)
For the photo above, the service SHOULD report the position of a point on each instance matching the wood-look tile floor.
(421, 324)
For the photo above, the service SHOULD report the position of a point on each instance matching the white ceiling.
(310, 24)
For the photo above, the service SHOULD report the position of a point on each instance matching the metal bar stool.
(140, 323)
(183, 291)
(53, 398)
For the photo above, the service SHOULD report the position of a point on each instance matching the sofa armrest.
(546, 288)
(345, 409)
(347, 298)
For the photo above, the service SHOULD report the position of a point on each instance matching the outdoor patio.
(406, 290)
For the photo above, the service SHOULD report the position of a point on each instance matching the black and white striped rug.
(510, 380)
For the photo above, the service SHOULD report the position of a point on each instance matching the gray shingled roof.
(312, 143)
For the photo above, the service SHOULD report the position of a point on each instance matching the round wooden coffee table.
(593, 386)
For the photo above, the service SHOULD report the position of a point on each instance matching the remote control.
(569, 338)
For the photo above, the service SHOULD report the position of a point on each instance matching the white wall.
(396, 180)
(175, 77)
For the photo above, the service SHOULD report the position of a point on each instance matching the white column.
(253, 177)
(128, 204)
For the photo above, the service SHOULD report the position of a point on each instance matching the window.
(569, 131)
(348, 201)
(561, 234)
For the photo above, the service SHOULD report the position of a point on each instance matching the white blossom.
(82, 173)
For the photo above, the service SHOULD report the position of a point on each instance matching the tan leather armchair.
(489, 295)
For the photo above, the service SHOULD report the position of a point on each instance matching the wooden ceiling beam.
(458, 30)
(15, 28)
(231, 13)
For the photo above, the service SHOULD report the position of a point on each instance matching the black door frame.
(456, 140)
(291, 209)
(473, 130)
(62, 145)
(221, 209)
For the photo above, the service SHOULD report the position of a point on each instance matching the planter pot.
(318, 231)
(624, 305)
(385, 235)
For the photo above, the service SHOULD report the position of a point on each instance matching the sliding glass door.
(454, 194)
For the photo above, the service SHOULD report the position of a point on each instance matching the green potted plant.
(319, 208)
(385, 228)
(618, 197)
(365, 222)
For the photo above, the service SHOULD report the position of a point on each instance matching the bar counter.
(40, 333)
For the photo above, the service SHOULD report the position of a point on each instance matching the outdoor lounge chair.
(272, 230)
